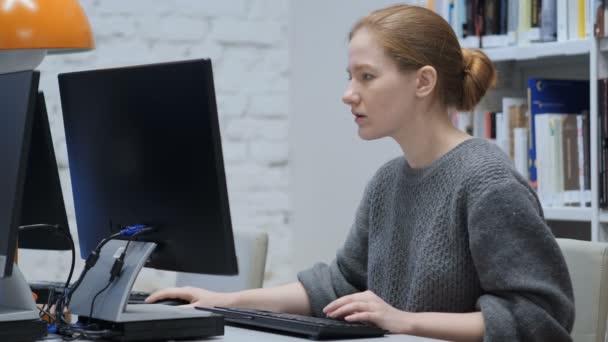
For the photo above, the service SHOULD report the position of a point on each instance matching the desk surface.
(233, 334)
(239, 334)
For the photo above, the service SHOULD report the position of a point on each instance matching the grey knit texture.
(464, 234)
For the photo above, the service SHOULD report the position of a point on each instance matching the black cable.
(96, 295)
(57, 228)
(90, 262)
(71, 338)
(45, 313)
(117, 266)
(63, 301)
(49, 300)
(67, 235)
(93, 334)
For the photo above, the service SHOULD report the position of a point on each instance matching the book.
(514, 117)
(602, 107)
(558, 160)
(598, 23)
(512, 21)
(520, 150)
(555, 97)
(572, 191)
(548, 23)
(517, 119)
(562, 20)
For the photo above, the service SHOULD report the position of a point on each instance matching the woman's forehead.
(365, 50)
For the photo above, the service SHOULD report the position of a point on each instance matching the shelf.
(539, 50)
(568, 214)
(603, 44)
(603, 216)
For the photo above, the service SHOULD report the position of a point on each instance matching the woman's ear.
(426, 79)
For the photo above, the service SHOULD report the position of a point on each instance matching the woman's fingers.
(172, 292)
(361, 296)
(349, 309)
(367, 316)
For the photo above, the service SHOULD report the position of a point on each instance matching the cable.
(89, 263)
(57, 228)
(77, 332)
(116, 269)
(96, 295)
(67, 235)
(47, 314)
(63, 301)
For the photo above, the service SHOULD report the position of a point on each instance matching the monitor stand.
(19, 320)
(136, 321)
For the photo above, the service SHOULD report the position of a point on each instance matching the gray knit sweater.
(463, 234)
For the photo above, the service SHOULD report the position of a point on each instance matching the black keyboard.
(311, 327)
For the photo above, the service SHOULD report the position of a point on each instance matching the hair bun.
(478, 74)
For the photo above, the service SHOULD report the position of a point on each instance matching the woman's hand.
(196, 296)
(368, 307)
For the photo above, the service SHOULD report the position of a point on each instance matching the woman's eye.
(367, 76)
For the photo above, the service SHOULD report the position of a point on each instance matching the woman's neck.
(429, 136)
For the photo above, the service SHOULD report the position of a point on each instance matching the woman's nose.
(349, 97)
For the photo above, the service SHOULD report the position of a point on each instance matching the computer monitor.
(19, 320)
(144, 148)
(17, 100)
(42, 201)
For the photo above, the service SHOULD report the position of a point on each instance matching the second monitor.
(144, 148)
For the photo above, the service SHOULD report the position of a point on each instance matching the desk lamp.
(30, 29)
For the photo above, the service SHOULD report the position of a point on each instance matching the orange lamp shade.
(44, 24)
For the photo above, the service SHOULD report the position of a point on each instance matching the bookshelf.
(545, 41)
(569, 214)
(540, 50)
(584, 59)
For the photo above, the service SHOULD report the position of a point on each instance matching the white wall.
(247, 42)
(329, 164)
(260, 78)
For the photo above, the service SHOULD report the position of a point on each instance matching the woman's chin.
(368, 135)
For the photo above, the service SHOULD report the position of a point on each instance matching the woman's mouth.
(359, 117)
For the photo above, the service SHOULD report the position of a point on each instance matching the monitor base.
(19, 319)
(138, 327)
(136, 321)
(22, 331)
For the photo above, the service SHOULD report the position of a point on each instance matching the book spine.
(532, 144)
(581, 19)
(541, 127)
(581, 157)
(548, 24)
(562, 20)
(520, 153)
(512, 22)
(573, 19)
(569, 149)
(598, 22)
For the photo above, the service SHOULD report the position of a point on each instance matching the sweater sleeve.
(347, 273)
(527, 288)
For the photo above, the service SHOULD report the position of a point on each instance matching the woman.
(449, 240)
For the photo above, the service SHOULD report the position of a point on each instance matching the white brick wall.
(247, 42)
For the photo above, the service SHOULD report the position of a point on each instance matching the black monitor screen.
(144, 148)
(17, 99)
(42, 196)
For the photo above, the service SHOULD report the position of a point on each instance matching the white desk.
(233, 334)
